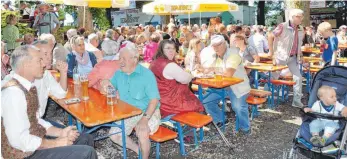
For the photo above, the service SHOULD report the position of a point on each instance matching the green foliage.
(22, 27)
(70, 9)
(59, 35)
(99, 16)
(272, 10)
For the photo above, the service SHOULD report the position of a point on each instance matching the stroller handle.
(324, 116)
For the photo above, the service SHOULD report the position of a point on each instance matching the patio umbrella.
(161, 7)
(97, 3)
(93, 4)
(213, 6)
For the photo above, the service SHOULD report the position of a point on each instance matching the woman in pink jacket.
(151, 48)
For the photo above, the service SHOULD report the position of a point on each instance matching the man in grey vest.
(23, 135)
(45, 21)
(285, 48)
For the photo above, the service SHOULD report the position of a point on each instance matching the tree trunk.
(165, 19)
(299, 4)
(88, 21)
(306, 21)
(261, 13)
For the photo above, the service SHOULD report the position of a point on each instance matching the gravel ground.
(271, 138)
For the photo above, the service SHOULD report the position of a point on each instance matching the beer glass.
(84, 84)
(111, 96)
(219, 73)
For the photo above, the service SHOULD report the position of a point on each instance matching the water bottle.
(76, 75)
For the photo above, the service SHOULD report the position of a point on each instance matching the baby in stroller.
(327, 104)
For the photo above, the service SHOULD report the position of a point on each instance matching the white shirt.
(45, 86)
(204, 34)
(173, 71)
(207, 57)
(170, 25)
(15, 118)
(26, 11)
(259, 42)
(342, 39)
(317, 107)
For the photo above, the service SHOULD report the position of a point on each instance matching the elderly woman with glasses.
(79, 57)
(172, 80)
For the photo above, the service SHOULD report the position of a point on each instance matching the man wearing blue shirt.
(137, 86)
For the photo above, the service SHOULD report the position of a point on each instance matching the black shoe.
(220, 124)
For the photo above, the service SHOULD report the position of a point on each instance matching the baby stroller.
(335, 77)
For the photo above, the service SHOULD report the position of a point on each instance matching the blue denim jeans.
(239, 106)
(329, 126)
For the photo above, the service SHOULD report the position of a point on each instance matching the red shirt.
(102, 70)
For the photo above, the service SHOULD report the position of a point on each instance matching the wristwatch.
(146, 116)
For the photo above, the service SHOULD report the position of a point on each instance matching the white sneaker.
(297, 103)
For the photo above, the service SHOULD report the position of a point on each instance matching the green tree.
(272, 10)
(303, 5)
(100, 19)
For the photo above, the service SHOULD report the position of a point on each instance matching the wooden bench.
(163, 134)
(290, 78)
(254, 102)
(284, 85)
(195, 88)
(194, 120)
(283, 82)
(312, 70)
(259, 93)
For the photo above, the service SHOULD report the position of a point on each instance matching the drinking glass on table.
(218, 73)
(84, 84)
(111, 95)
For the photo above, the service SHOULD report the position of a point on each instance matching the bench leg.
(140, 154)
(79, 126)
(157, 147)
(237, 124)
(223, 108)
(253, 112)
(201, 134)
(180, 136)
(272, 96)
(283, 93)
(69, 117)
(287, 94)
(195, 138)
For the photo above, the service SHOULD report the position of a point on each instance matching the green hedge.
(22, 27)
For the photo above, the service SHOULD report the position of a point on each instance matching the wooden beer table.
(311, 51)
(265, 68)
(95, 112)
(342, 46)
(216, 86)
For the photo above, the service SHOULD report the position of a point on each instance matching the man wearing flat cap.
(229, 62)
